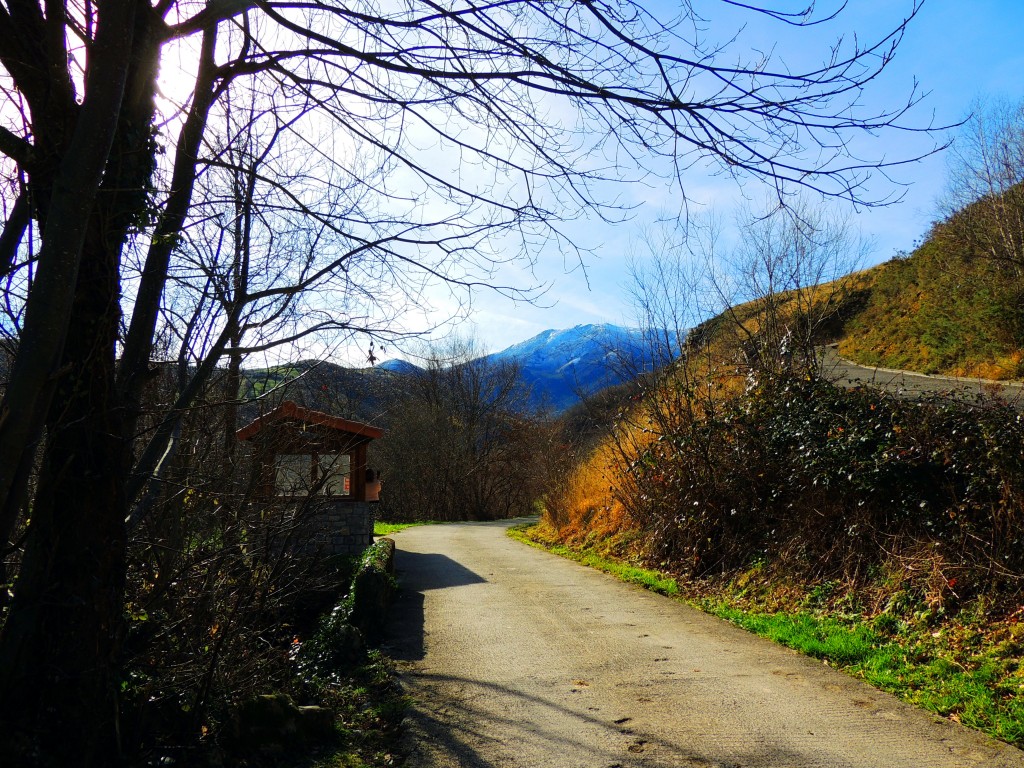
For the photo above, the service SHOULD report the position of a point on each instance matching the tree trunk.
(59, 646)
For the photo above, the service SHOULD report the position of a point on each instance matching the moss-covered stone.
(373, 589)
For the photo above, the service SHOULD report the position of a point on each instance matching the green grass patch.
(960, 671)
(822, 637)
(652, 580)
(381, 528)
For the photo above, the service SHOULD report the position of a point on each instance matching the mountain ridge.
(560, 366)
(565, 365)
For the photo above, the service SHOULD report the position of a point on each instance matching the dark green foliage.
(272, 724)
(832, 478)
(372, 590)
(333, 649)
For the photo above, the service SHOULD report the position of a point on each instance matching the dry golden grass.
(584, 508)
(584, 504)
(1002, 368)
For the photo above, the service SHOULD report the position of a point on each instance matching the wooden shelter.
(315, 465)
(302, 452)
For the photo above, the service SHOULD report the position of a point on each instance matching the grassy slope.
(939, 310)
(943, 309)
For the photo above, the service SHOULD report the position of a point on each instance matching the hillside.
(353, 393)
(953, 306)
(947, 308)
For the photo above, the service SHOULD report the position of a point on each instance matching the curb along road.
(910, 384)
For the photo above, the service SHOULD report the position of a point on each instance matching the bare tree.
(107, 171)
(785, 284)
(669, 274)
(984, 198)
(778, 290)
(463, 441)
(672, 291)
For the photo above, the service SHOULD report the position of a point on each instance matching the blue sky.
(956, 51)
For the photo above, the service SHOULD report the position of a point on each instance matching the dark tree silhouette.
(433, 130)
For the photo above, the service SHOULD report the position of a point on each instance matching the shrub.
(830, 479)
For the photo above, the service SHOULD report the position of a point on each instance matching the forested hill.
(954, 305)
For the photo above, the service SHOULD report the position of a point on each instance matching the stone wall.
(333, 527)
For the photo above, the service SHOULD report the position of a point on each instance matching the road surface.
(914, 385)
(518, 658)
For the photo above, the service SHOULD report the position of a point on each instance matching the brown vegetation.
(462, 443)
(738, 454)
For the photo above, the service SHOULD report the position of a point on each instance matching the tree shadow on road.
(455, 722)
(418, 573)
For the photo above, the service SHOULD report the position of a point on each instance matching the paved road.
(912, 385)
(518, 658)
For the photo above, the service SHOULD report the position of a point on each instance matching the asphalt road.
(515, 657)
(913, 385)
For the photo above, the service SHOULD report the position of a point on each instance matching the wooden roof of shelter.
(289, 411)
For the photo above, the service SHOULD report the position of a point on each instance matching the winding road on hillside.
(913, 385)
(518, 658)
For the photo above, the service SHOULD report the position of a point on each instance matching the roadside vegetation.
(339, 705)
(227, 625)
(369, 707)
(381, 528)
(882, 535)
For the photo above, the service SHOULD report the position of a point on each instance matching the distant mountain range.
(559, 366)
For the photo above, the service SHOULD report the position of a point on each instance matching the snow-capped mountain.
(563, 364)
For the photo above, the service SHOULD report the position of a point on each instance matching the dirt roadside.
(516, 657)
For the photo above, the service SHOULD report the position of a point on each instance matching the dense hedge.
(835, 479)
